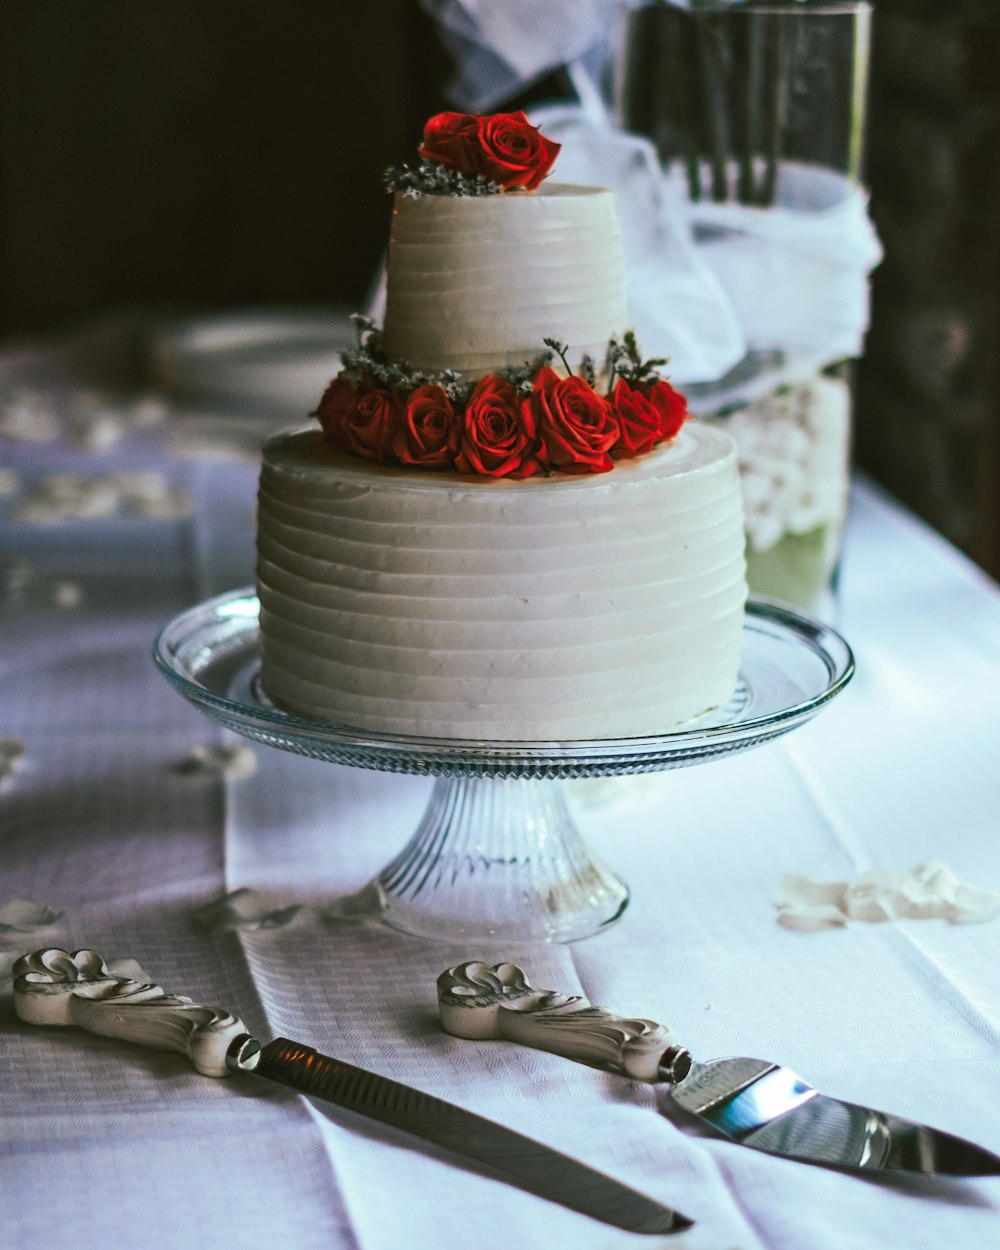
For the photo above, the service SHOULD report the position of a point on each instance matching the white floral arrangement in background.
(794, 459)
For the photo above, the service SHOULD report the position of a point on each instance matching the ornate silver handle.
(479, 1002)
(54, 986)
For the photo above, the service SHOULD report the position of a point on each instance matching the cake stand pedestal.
(496, 855)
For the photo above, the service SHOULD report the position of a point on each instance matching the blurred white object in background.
(676, 304)
(499, 49)
(709, 282)
(265, 362)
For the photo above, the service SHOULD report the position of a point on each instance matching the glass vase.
(759, 110)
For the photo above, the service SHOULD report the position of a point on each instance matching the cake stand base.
(492, 859)
(496, 855)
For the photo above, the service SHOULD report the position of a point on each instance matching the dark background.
(204, 153)
(201, 151)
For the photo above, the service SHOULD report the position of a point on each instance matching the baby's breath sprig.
(560, 350)
(625, 361)
(363, 327)
(453, 386)
(368, 363)
(522, 377)
(368, 360)
(430, 178)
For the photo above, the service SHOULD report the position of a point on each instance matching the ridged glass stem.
(498, 859)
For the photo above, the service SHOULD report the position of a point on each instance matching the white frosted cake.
(459, 607)
(481, 542)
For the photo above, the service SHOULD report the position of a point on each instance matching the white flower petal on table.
(803, 919)
(243, 909)
(21, 915)
(930, 891)
(93, 420)
(57, 497)
(11, 751)
(808, 906)
(231, 762)
(22, 586)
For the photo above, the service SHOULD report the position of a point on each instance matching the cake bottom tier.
(561, 609)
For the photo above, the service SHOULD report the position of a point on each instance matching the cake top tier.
(487, 259)
(477, 284)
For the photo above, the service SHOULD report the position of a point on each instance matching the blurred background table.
(106, 1144)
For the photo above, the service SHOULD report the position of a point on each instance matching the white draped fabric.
(709, 282)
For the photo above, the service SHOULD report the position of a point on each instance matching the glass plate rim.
(766, 616)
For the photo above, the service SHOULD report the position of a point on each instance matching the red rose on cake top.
(451, 139)
(503, 147)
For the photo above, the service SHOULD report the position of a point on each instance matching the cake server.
(57, 987)
(751, 1101)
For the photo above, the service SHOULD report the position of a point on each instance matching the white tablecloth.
(105, 1144)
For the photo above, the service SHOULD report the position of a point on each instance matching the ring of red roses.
(564, 425)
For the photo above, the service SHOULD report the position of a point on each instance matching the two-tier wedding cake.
(503, 527)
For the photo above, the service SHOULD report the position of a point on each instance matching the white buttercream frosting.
(563, 607)
(477, 283)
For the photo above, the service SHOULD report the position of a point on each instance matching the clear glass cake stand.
(496, 855)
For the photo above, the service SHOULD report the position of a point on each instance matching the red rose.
(576, 427)
(640, 423)
(338, 402)
(513, 152)
(452, 139)
(369, 427)
(498, 432)
(671, 406)
(428, 434)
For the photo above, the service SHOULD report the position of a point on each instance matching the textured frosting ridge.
(477, 283)
(556, 608)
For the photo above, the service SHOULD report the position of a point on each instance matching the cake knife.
(751, 1101)
(56, 987)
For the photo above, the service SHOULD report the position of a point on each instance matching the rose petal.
(805, 919)
(798, 891)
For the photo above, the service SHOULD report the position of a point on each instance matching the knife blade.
(753, 1102)
(58, 987)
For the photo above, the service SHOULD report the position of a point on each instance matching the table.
(107, 1144)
